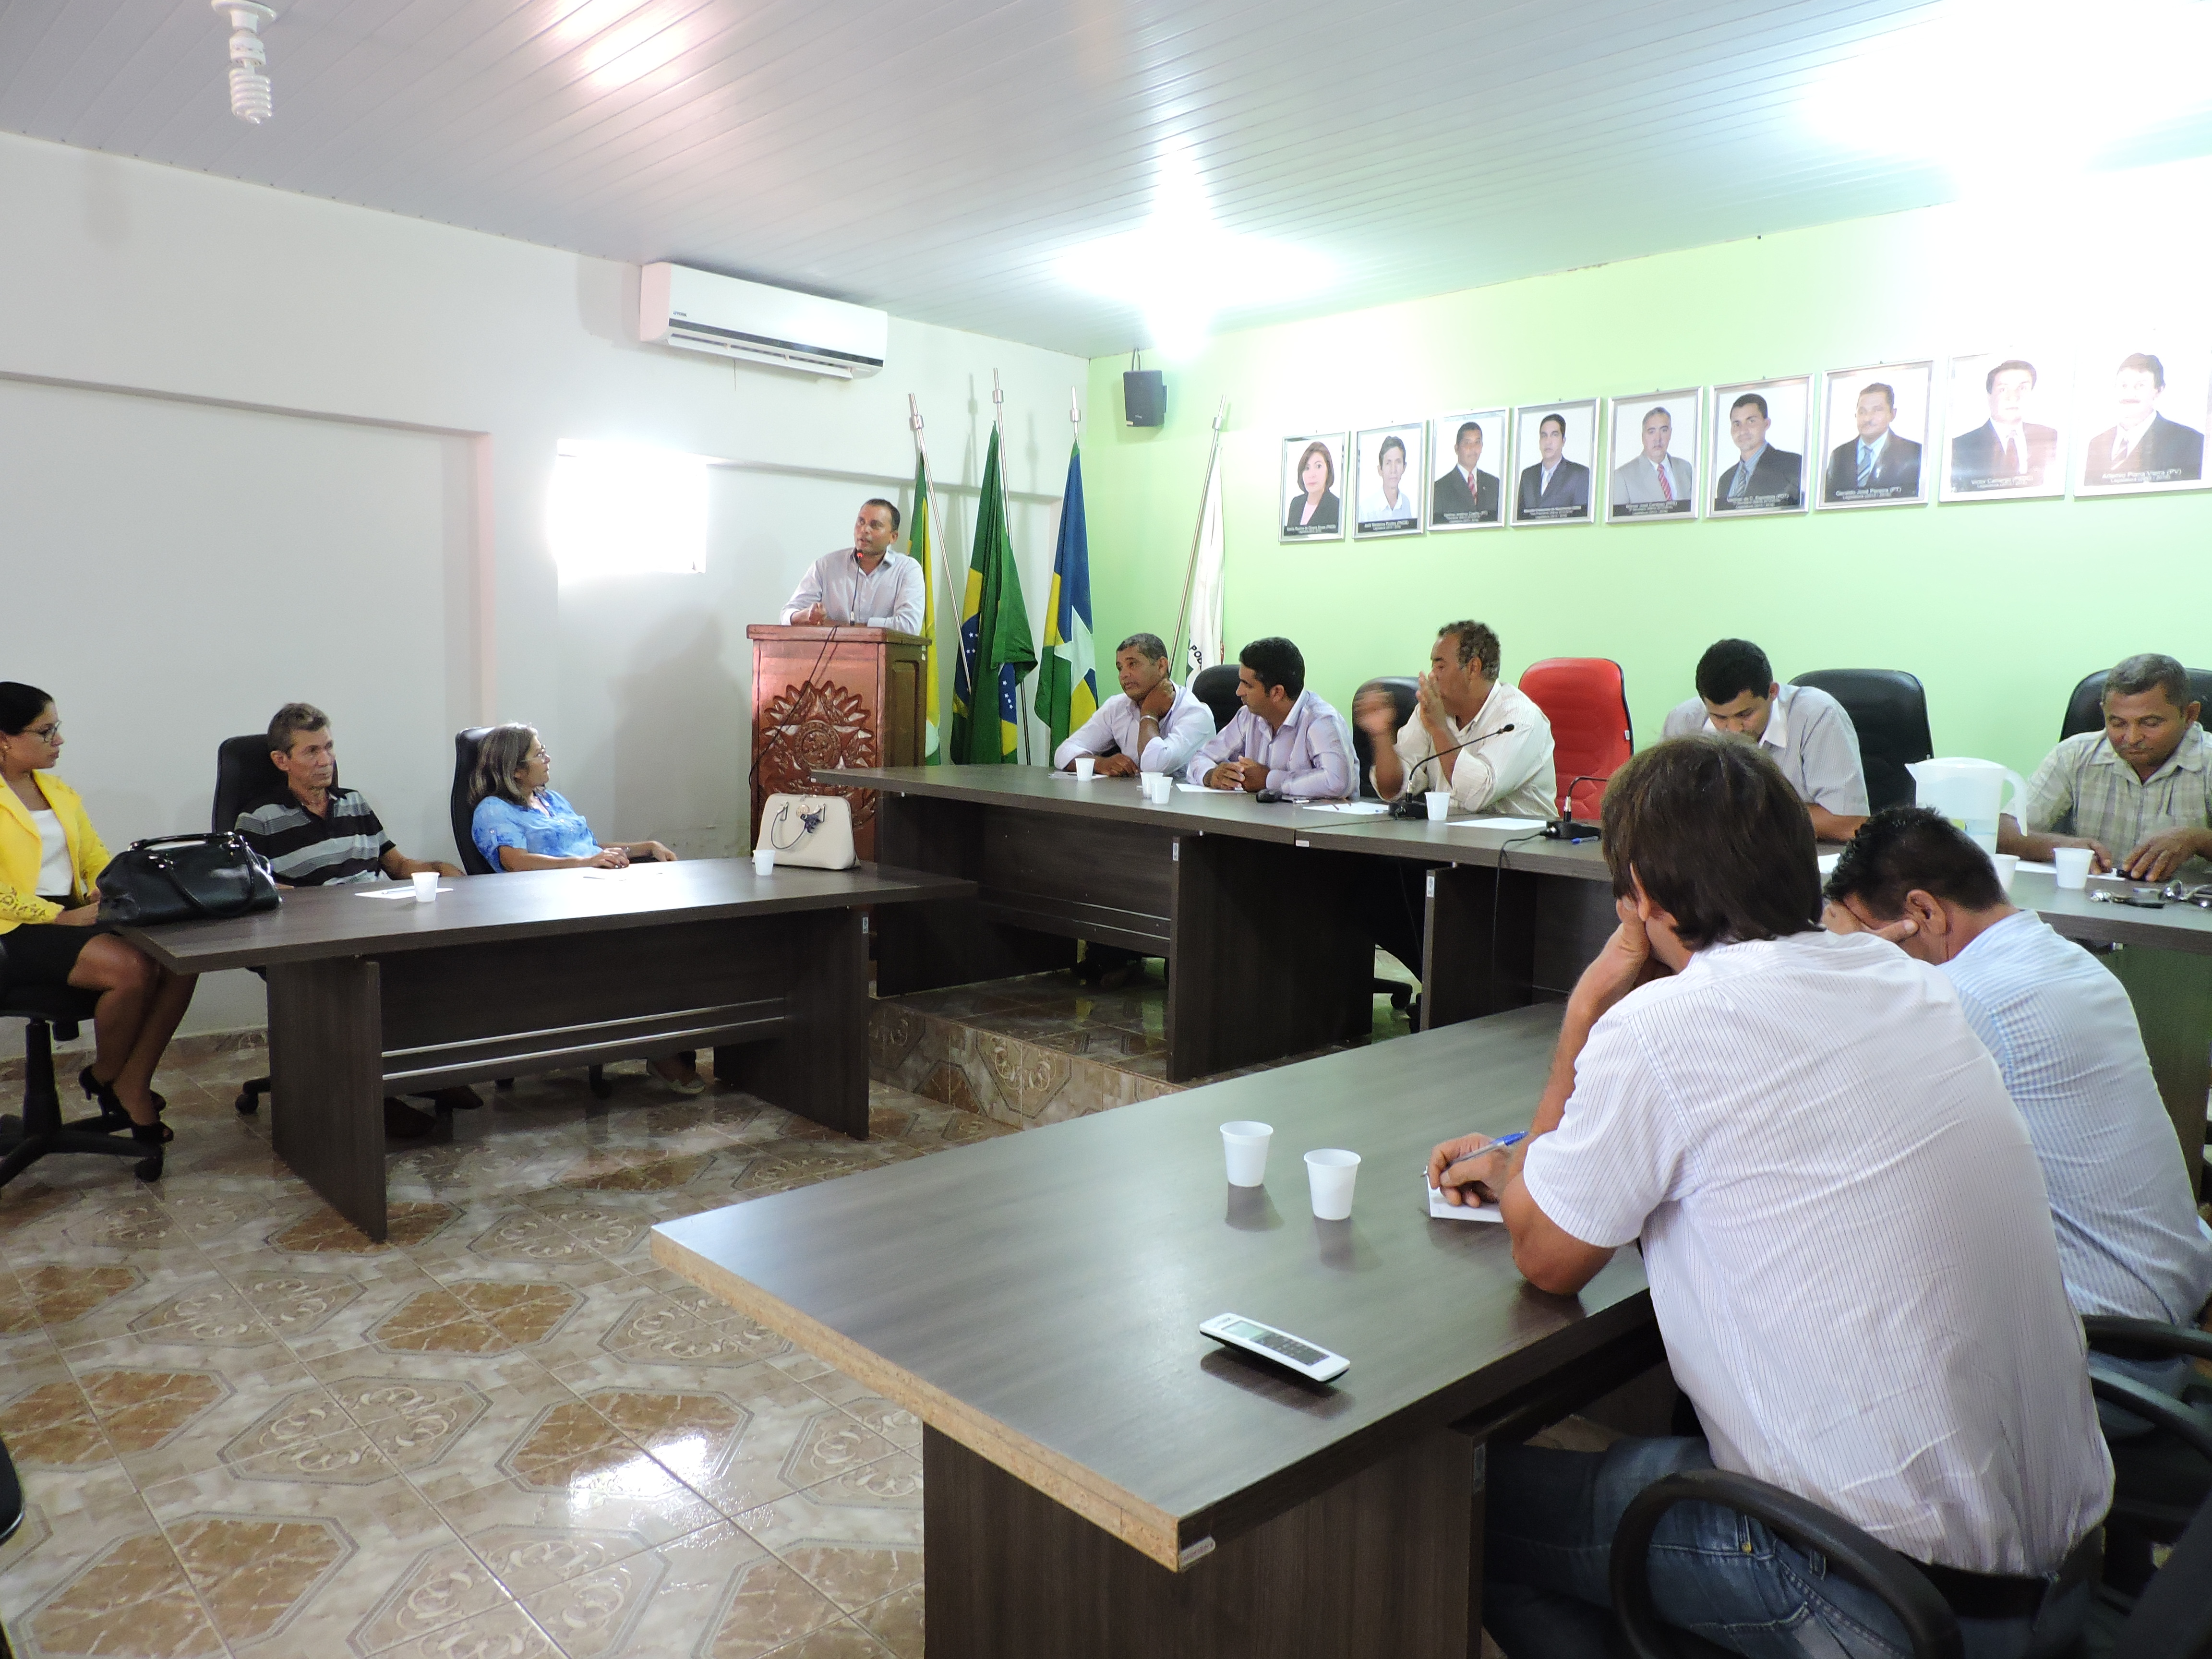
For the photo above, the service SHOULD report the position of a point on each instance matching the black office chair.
(1889, 711)
(2085, 709)
(2172, 1619)
(1216, 687)
(243, 774)
(1404, 692)
(461, 806)
(2159, 1481)
(40, 1132)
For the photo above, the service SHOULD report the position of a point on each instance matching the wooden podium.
(834, 697)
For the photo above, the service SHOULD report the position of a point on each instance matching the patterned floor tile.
(897, 1623)
(792, 1438)
(72, 1518)
(172, 1409)
(845, 1639)
(715, 1593)
(46, 1421)
(857, 1538)
(131, 1597)
(533, 1535)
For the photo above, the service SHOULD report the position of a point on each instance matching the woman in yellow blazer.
(49, 931)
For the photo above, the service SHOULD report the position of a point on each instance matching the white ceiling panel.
(935, 157)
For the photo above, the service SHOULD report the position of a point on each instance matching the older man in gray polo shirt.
(1804, 730)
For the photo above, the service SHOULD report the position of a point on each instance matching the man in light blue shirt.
(867, 585)
(1154, 726)
(1285, 741)
(2064, 1037)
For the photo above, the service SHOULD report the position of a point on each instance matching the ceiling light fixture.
(1181, 269)
(249, 87)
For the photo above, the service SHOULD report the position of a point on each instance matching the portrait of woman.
(1387, 492)
(1310, 466)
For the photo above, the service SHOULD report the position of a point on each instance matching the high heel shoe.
(149, 1135)
(112, 1108)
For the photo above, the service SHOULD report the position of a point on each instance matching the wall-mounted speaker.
(1145, 397)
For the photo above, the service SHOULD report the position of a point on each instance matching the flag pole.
(937, 533)
(1190, 571)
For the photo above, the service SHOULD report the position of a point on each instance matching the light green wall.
(1998, 607)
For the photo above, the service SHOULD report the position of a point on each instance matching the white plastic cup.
(426, 886)
(2073, 866)
(1086, 768)
(1245, 1146)
(1439, 802)
(1329, 1174)
(1160, 787)
(2007, 863)
(763, 860)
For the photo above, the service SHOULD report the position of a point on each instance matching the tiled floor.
(244, 1429)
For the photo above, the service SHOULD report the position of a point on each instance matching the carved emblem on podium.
(813, 724)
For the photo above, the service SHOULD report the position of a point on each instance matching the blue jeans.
(1547, 1548)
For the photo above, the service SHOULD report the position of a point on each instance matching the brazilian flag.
(1067, 680)
(995, 648)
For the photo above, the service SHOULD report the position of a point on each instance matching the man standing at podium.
(865, 585)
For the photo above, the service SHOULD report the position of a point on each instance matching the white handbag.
(814, 832)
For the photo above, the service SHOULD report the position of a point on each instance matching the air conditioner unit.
(702, 312)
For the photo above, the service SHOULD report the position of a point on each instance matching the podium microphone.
(1406, 806)
(1566, 826)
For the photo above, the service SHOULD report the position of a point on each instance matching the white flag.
(1206, 646)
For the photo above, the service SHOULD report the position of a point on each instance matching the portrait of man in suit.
(1654, 482)
(1763, 478)
(2008, 452)
(1880, 464)
(1464, 494)
(1552, 488)
(2141, 448)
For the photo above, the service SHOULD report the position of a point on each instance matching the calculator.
(1308, 1359)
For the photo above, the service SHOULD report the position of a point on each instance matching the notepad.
(1358, 809)
(1443, 1209)
(1497, 823)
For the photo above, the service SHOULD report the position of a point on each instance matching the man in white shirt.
(1850, 1257)
(1804, 731)
(867, 584)
(1285, 741)
(1390, 503)
(1154, 726)
(2064, 1037)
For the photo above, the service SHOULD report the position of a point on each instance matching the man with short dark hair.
(2064, 1037)
(1763, 477)
(2143, 446)
(1850, 1256)
(1552, 487)
(1153, 726)
(870, 584)
(2008, 450)
(1285, 741)
(2144, 783)
(1464, 494)
(1804, 729)
(1878, 464)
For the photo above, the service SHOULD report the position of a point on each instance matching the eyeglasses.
(49, 733)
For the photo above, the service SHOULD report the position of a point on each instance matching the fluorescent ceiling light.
(2008, 94)
(1180, 269)
(626, 510)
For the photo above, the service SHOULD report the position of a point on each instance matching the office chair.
(1889, 712)
(1216, 687)
(2158, 1480)
(2085, 709)
(462, 810)
(2172, 1619)
(1586, 700)
(243, 773)
(39, 1133)
(1405, 693)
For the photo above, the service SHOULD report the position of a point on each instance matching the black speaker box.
(1145, 397)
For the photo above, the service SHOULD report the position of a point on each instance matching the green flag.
(995, 648)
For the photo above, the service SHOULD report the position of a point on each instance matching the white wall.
(349, 419)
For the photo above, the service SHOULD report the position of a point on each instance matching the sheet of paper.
(1827, 862)
(406, 893)
(1202, 789)
(595, 874)
(1358, 809)
(1497, 823)
(1443, 1209)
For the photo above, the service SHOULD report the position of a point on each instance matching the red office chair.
(1586, 703)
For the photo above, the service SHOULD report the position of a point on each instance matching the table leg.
(327, 1082)
(817, 1065)
(2172, 991)
(1379, 1566)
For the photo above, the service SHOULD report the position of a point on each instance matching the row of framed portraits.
(2012, 429)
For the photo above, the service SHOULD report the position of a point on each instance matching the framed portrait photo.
(1762, 431)
(2005, 416)
(1554, 446)
(1314, 486)
(1467, 453)
(2142, 404)
(1653, 453)
(1874, 436)
(1387, 468)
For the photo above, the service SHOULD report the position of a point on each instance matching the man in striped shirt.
(1851, 1258)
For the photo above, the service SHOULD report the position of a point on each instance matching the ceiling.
(934, 157)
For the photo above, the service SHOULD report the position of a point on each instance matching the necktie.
(1866, 466)
(1742, 487)
(2011, 460)
(2119, 451)
(1666, 489)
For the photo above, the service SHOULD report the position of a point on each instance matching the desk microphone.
(1406, 806)
(1566, 826)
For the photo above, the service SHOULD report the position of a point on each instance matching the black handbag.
(185, 878)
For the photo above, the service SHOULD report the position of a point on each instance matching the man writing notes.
(1464, 494)
(1850, 1256)
(1879, 465)
(1804, 730)
(1653, 478)
(866, 583)
(2138, 794)
(1154, 726)
(1554, 487)
(1763, 477)
(2064, 1037)
(1285, 741)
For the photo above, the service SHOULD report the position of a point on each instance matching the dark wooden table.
(510, 974)
(1099, 1478)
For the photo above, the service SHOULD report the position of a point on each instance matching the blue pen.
(1517, 1136)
